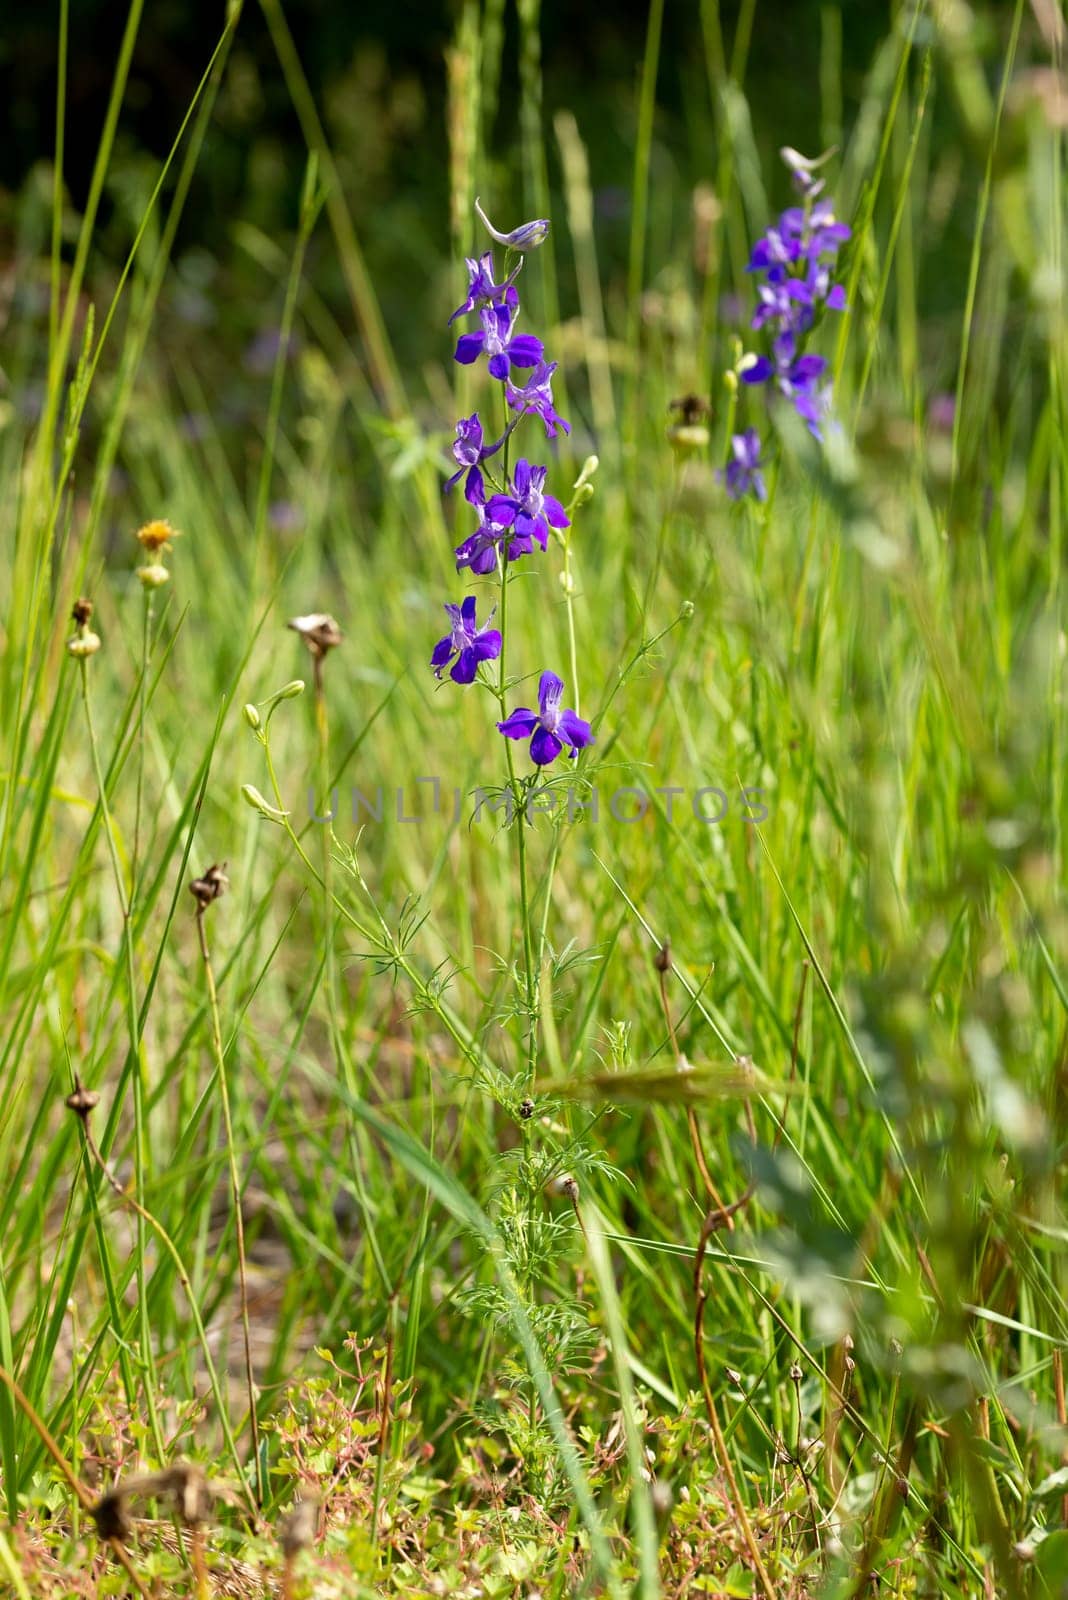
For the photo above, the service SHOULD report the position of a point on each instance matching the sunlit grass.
(470, 1183)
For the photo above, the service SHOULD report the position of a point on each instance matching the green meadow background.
(426, 1187)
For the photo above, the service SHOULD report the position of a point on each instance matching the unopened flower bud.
(251, 796)
(153, 577)
(662, 959)
(686, 610)
(252, 716)
(663, 1498)
(526, 237)
(83, 644)
(589, 467)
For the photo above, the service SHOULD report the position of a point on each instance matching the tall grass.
(656, 1206)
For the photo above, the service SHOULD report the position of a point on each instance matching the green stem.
(235, 1194)
(137, 1065)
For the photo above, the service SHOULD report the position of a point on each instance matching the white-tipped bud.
(154, 576)
(252, 797)
(83, 645)
(252, 716)
(589, 467)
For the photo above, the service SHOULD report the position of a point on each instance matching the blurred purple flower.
(742, 474)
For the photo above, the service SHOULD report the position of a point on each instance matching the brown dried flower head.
(319, 631)
(85, 642)
(82, 1101)
(208, 888)
(156, 536)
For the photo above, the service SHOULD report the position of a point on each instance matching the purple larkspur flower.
(481, 290)
(533, 511)
(549, 728)
(494, 538)
(499, 341)
(537, 396)
(470, 644)
(742, 474)
(469, 450)
(526, 237)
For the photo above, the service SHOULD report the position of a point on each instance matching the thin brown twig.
(1062, 1416)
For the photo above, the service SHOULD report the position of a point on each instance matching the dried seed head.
(318, 630)
(691, 408)
(83, 1101)
(526, 1109)
(297, 1530)
(565, 1183)
(690, 431)
(795, 1373)
(156, 536)
(153, 577)
(85, 642)
(208, 888)
(662, 961)
(109, 1516)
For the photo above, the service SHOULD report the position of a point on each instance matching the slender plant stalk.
(183, 1277)
(137, 1068)
(235, 1194)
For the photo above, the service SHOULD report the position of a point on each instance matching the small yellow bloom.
(157, 536)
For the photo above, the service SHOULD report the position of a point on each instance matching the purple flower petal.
(544, 747)
(520, 725)
(574, 730)
(469, 348)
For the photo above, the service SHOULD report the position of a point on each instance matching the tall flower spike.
(526, 237)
